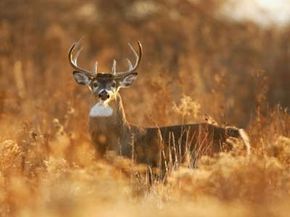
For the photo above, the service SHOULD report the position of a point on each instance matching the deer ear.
(81, 78)
(128, 80)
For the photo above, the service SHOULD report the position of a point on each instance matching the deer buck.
(110, 130)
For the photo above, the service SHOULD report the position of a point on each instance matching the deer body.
(155, 144)
(110, 130)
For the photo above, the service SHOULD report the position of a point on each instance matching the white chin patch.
(101, 109)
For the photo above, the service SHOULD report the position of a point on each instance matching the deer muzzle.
(104, 95)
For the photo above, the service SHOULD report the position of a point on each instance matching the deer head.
(103, 85)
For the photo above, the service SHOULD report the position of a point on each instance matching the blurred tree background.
(232, 70)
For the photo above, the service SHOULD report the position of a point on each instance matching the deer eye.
(95, 84)
(114, 84)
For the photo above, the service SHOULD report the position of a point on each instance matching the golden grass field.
(197, 66)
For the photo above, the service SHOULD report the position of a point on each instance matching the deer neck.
(109, 128)
(109, 116)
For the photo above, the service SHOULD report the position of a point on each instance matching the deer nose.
(104, 95)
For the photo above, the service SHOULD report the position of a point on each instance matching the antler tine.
(73, 58)
(138, 59)
(138, 55)
(96, 67)
(130, 64)
(114, 67)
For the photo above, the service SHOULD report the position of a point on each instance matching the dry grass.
(196, 67)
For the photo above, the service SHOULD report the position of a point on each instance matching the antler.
(131, 67)
(73, 59)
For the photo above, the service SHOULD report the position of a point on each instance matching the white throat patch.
(101, 109)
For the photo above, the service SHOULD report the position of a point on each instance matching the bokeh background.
(219, 61)
(227, 64)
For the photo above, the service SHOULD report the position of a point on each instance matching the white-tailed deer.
(110, 130)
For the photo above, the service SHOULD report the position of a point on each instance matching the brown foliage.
(197, 66)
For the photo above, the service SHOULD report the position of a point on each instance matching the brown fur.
(153, 146)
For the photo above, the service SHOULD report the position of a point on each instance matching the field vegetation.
(197, 66)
